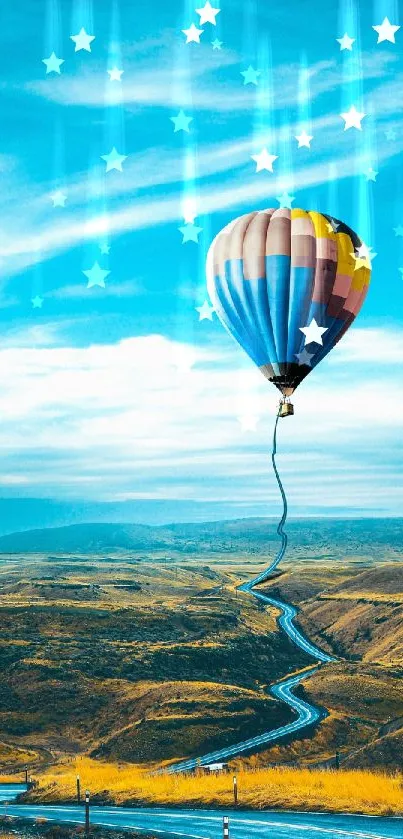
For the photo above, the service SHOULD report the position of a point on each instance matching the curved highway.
(306, 714)
(208, 824)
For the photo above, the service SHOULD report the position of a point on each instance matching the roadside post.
(225, 824)
(26, 776)
(337, 760)
(87, 812)
(235, 791)
(78, 790)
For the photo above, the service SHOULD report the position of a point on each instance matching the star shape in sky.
(285, 200)
(96, 275)
(398, 230)
(114, 160)
(216, 44)
(205, 311)
(363, 255)
(352, 118)
(104, 247)
(346, 43)
(192, 34)
(115, 75)
(53, 63)
(208, 14)
(371, 174)
(248, 422)
(304, 139)
(264, 160)
(304, 357)
(190, 232)
(58, 198)
(82, 40)
(313, 333)
(333, 225)
(250, 76)
(386, 31)
(181, 122)
(390, 134)
(37, 302)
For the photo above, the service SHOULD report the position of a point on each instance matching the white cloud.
(370, 345)
(120, 420)
(31, 231)
(127, 288)
(179, 77)
(238, 185)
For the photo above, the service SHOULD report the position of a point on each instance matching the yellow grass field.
(353, 791)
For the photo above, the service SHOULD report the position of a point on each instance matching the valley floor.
(132, 660)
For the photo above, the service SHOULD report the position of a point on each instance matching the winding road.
(306, 714)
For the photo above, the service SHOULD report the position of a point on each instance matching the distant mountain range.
(19, 513)
(333, 538)
(27, 513)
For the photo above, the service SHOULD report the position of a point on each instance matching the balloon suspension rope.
(280, 527)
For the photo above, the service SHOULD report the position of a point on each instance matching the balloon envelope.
(274, 273)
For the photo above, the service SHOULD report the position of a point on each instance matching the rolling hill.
(130, 642)
(322, 538)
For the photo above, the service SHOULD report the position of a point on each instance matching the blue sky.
(121, 393)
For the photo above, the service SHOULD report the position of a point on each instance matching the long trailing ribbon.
(280, 527)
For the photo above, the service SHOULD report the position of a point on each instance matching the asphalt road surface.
(305, 713)
(208, 824)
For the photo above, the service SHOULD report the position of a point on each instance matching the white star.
(264, 160)
(115, 75)
(192, 34)
(208, 13)
(248, 422)
(82, 40)
(371, 174)
(58, 198)
(363, 256)
(205, 311)
(386, 31)
(304, 357)
(304, 139)
(346, 43)
(353, 118)
(313, 333)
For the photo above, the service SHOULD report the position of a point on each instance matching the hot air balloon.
(287, 284)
